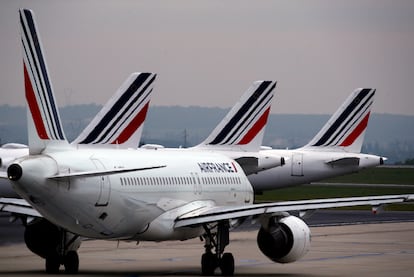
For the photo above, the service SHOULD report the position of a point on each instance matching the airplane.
(118, 124)
(240, 134)
(125, 112)
(135, 194)
(334, 151)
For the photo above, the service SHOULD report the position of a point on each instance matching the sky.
(207, 53)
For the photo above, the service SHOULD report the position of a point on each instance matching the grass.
(331, 189)
(378, 175)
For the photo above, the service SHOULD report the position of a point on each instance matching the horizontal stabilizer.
(348, 161)
(102, 172)
(255, 164)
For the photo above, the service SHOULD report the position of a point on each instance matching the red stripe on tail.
(33, 106)
(356, 132)
(251, 134)
(132, 126)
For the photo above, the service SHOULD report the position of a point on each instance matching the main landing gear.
(70, 261)
(64, 256)
(218, 240)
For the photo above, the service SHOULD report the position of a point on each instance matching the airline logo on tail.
(123, 115)
(348, 123)
(39, 92)
(246, 119)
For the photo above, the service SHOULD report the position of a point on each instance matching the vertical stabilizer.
(44, 125)
(346, 128)
(243, 127)
(120, 122)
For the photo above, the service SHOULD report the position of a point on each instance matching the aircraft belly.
(77, 211)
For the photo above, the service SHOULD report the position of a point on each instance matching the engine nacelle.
(284, 240)
(44, 238)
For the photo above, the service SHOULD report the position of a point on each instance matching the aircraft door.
(104, 186)
(197, 183)
(248, 193)
(297, 164)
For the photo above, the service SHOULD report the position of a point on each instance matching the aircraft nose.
(14, 172)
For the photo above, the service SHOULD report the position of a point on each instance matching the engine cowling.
(44, 238)
(284, 240)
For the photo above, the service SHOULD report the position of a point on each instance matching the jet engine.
(45, 239)
(284, 240)
(54, 244)
(42, 238)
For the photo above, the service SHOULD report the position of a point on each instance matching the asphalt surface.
(350, 243)
(385, 249)
(11, 233)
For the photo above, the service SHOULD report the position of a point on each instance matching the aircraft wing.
(219, 213)
(18, 206)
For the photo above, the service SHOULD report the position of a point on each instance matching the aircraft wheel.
(52, 265)
(227, 264)
(71, 262)
(208, 264)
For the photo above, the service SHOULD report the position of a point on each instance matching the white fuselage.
(303, 166)
(135, 205)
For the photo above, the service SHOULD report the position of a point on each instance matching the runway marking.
(124, 260)
(362, 255)
(248, 261)
(176, 259)
(344, 257)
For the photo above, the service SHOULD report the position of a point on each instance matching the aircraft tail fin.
(44, 124)
(346, 127)
(242, 129)
(120, 122)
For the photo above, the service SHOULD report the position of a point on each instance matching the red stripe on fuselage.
(132, 126)
(251, 134)
(356, 132)
(33, 106)
(234, 167)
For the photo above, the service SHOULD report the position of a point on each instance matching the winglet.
(243, 127)
(44, 125)
(346, 128)
(120, 122)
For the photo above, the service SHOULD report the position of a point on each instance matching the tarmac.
(384, 249)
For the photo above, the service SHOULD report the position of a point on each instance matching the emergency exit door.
(297, 165)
